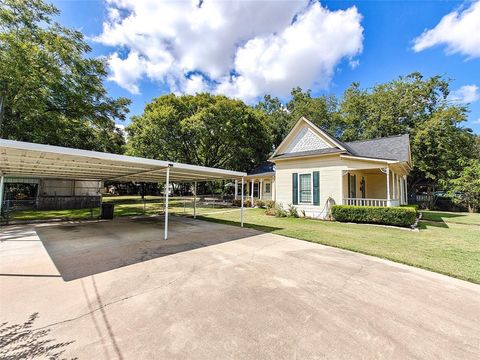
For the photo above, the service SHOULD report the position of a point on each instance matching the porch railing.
(369, 202)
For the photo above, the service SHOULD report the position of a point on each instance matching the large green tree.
(419, 107)
(321, 110)
(203, 129)
(50, 90)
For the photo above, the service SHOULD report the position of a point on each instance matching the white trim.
(311, 188)
(313, 126)
(369, 159)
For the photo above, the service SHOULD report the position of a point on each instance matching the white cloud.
(466, 94)
(241, 48)
(458, 30)
(477, 122)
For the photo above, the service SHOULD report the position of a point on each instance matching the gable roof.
(392, 148)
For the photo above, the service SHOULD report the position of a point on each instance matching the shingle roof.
(390, 148)
(265, 167)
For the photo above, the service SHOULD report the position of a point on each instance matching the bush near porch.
(397, 216)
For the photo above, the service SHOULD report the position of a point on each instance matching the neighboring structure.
(51, 194)
(312, 170)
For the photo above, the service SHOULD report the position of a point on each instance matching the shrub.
(260, 203)
(270, 204)
(398, 216)
(270, 211)
(280, 211)
(292, 211)
(238, 202)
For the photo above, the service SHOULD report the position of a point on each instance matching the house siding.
(330, 171)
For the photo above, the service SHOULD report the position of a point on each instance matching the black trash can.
(107, 211)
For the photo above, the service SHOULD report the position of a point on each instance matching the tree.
(440, 146)
(279, 119)
(204, 129)
(466, 187)
(50, 92)
(322, 110)
(416, 106)
(393, 108)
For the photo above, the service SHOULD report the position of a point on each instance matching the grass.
(451, 217)
(124, 206)
(451, 250)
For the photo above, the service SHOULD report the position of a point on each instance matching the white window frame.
(311, 189)
(265, 187)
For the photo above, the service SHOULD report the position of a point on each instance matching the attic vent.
(306, 140)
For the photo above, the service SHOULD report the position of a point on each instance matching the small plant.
(270, 204)
(280, 211)
(292, 211)
(260, 204)
(238, 203)
(303, 213)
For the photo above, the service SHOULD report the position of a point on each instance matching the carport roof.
(26, 159)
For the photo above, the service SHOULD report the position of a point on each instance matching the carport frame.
(30, 160)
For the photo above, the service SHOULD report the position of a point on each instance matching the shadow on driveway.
(84, 249)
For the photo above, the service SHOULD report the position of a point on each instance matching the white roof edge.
(369, 159)
(22, 145)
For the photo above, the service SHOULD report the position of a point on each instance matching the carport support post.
(2, 186)
(167, 190)
(241, 205)
(195, 200)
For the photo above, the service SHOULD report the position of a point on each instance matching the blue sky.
(256, 47)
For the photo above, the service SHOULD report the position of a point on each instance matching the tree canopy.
(207, 130)
(50, 91)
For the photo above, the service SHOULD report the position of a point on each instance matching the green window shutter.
(295, 189)
(316, 188)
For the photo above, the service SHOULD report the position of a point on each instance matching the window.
(267, 188)
(305, 188)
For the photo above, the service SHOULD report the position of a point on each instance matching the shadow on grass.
(439, 216)
(262, 228)
(425, 224)
(22, 341)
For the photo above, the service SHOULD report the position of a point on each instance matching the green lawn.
(451, 217)
(124, 206)
(448, 248)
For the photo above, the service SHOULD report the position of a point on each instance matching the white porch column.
(195, 200)
(394, 190)
(389, 203)
(260, 189)
(273, 189)
(241, 206)
(401, 190)
(252, 185)
(236, 189)
(167, 189)
(2, 187)
(406, 189)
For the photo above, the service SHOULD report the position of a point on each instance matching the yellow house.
(313, 170)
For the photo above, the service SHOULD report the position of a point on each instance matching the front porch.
(375, 187)
(257, 187)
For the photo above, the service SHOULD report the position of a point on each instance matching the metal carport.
(26, 159)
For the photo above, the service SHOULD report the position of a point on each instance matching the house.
(313, 170)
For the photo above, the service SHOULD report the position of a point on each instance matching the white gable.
(306, 140)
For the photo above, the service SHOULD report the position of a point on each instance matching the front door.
(352, 186)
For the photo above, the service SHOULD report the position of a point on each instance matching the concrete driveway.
(116, 290)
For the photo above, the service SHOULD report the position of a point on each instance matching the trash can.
(107, 211)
